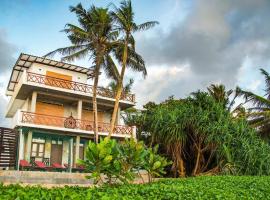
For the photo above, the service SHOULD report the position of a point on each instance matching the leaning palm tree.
(124, 21)
(94, 38)
(259, 112)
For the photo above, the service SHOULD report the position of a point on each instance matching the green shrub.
(212, 187)
(120, 162)
(154, 164)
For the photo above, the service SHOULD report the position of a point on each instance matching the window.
(38, 147)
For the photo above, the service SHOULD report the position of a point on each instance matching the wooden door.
(89, 116)
(58, 80)
(49, 109)
(56, 153)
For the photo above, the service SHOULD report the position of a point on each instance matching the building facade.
(51, 106)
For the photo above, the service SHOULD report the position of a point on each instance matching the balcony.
(71, 124)
(75, 86)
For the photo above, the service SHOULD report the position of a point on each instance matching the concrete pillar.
(33, 101)
(79, 109)
(77, 149)
(20, 148)
(134, 133)
(85, 145)
(48, 148)
(65, 152)
(28, 145)
(70, 157)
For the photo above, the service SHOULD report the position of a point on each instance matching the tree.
(95, 38)
(126, 89)
(259, 112)
(124, 21)
(202, 137)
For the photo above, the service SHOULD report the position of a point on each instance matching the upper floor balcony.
(75, 86)
(30, 82)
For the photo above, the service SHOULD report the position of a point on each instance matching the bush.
(202, 137)
(214, 187)
(120, 162)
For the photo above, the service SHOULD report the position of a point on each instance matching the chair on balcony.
(38, 165)
(24, 165)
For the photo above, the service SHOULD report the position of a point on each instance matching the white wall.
(41, 69)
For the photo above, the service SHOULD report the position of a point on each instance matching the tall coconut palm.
(125, 24)
(259, 112)
(93, 38)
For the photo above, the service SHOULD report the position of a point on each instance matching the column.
(28, 146)
(48, 148)
(79, 109)
(70, 157)
(33, 101)
(20, 148)
(134, 133)
(77, 149)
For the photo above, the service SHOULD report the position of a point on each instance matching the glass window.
(34, 148)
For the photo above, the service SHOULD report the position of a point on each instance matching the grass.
(215, 187)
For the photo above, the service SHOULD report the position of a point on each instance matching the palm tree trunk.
(119, 88)
(95, 102)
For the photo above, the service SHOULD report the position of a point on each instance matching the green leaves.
(121, 161)
(215, 187)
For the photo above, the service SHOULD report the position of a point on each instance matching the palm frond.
(146, 25)
(256, 100)
(267, 82)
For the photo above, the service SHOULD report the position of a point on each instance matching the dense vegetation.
(214, 187)
(201, 136)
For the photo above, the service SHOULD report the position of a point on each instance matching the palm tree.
(126, 89)
(219, 93)
(124, 21)
(95, 38)
(259, 113)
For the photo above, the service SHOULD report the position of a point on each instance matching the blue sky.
(34, 26)
(198, 42)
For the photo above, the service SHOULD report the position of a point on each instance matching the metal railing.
(75, 86)
(71, 123)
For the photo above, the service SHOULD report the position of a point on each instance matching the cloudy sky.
(198, 42)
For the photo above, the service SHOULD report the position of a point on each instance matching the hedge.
(215, 187)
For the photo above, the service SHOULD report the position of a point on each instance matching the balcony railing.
(75, 86)
(71, 123)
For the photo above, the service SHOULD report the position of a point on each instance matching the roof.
(25, 61)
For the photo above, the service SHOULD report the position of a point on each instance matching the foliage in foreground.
(121, 161)
(212, 187)
(201, 136)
